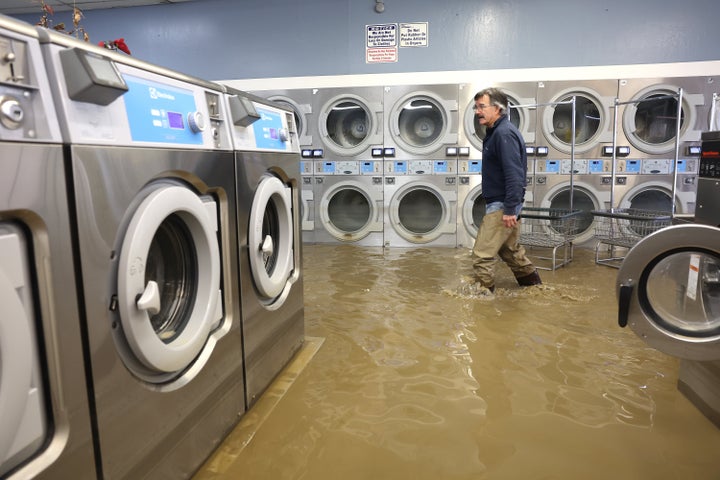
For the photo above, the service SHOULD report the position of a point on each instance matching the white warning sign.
(381, 55)
(414, 34)
(381, 36)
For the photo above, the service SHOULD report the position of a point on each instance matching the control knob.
(196, 120)
(11, 112)
(283, 135)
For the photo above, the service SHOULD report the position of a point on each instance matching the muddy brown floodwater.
(415, 377)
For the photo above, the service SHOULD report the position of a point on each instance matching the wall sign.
(381, 43)
(414, 34)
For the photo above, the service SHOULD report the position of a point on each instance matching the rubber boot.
(529, 280)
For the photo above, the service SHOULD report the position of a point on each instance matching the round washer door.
(592, 116)
(669, 291)
(169, 278)
(421, 122)
(22, 420)
(421, 212)
(349, 211)
(271, 240)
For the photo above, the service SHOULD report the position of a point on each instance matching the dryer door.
(271, 239)
(22, 418)
(169, 278)
(669, 291)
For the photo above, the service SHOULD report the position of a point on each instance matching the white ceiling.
(14, 7)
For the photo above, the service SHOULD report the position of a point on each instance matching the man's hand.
(510, 220)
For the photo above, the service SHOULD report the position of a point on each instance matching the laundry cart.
(619, 229)
(548, 233)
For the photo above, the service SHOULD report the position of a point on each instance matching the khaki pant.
(495, 239)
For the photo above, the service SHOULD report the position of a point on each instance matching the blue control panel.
(475, 166)
(367, 167)
(400, 167)
(596, 166)
(267, 130)
(159, 113)
(440, 166)
(682, 166)
(328, 168)
(552, 166)
(632, 166)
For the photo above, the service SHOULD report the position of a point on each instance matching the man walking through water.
(504, 176)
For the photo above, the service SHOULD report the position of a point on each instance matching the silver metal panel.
(420, 205)
(144, 432)
(646, 133)
(421, 121)
(271, 335)
(348, 122)
(349, 204)
(33, 179)
(700, 383)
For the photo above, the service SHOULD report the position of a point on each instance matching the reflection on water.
(420, 379)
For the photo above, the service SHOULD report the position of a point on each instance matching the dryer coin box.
(90, 77)
(243, 111)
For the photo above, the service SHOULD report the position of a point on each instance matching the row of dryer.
(150, 260)
(400, 165)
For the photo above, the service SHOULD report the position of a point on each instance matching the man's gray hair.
(497, 97)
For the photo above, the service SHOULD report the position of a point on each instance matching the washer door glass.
(420, 211)
(348, 123)
(682, 292)
(349, 210)
(271, 240)
(655, 119)
(421, 122)
(169, 278)
(587, 120)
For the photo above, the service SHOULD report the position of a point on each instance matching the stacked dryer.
(300, 103)
(45, 429)
(471, 206)
(348, 166)
(564, 166)
(646, 142)
(420, 194)
(152, 173)
(269, 244)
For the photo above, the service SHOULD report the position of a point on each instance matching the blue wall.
(230, 39)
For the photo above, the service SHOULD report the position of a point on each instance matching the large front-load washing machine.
(350, 200)
(421, 122)
(420, 199)
(563, 177)
(300, 103)
(45, 429)
(269, 240)
(646, 141)
(669, 294)
(152, 173)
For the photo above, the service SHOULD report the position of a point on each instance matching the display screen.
(175, 120)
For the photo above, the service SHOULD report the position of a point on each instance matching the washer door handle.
(624, 297)
(267, 246)
(150, 299)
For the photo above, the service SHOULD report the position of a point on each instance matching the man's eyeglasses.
(482, 107)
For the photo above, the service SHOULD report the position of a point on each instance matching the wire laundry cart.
(619, 229)
(546, 232)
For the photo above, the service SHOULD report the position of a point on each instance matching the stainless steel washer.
(45, 424)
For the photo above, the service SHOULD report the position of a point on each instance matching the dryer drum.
(587, 120)
(349, 210)
(420, 122)
(348, 124)
(420, 211)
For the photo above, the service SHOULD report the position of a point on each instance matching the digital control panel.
(161, 113)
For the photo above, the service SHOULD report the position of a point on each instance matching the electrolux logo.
(155, 94)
